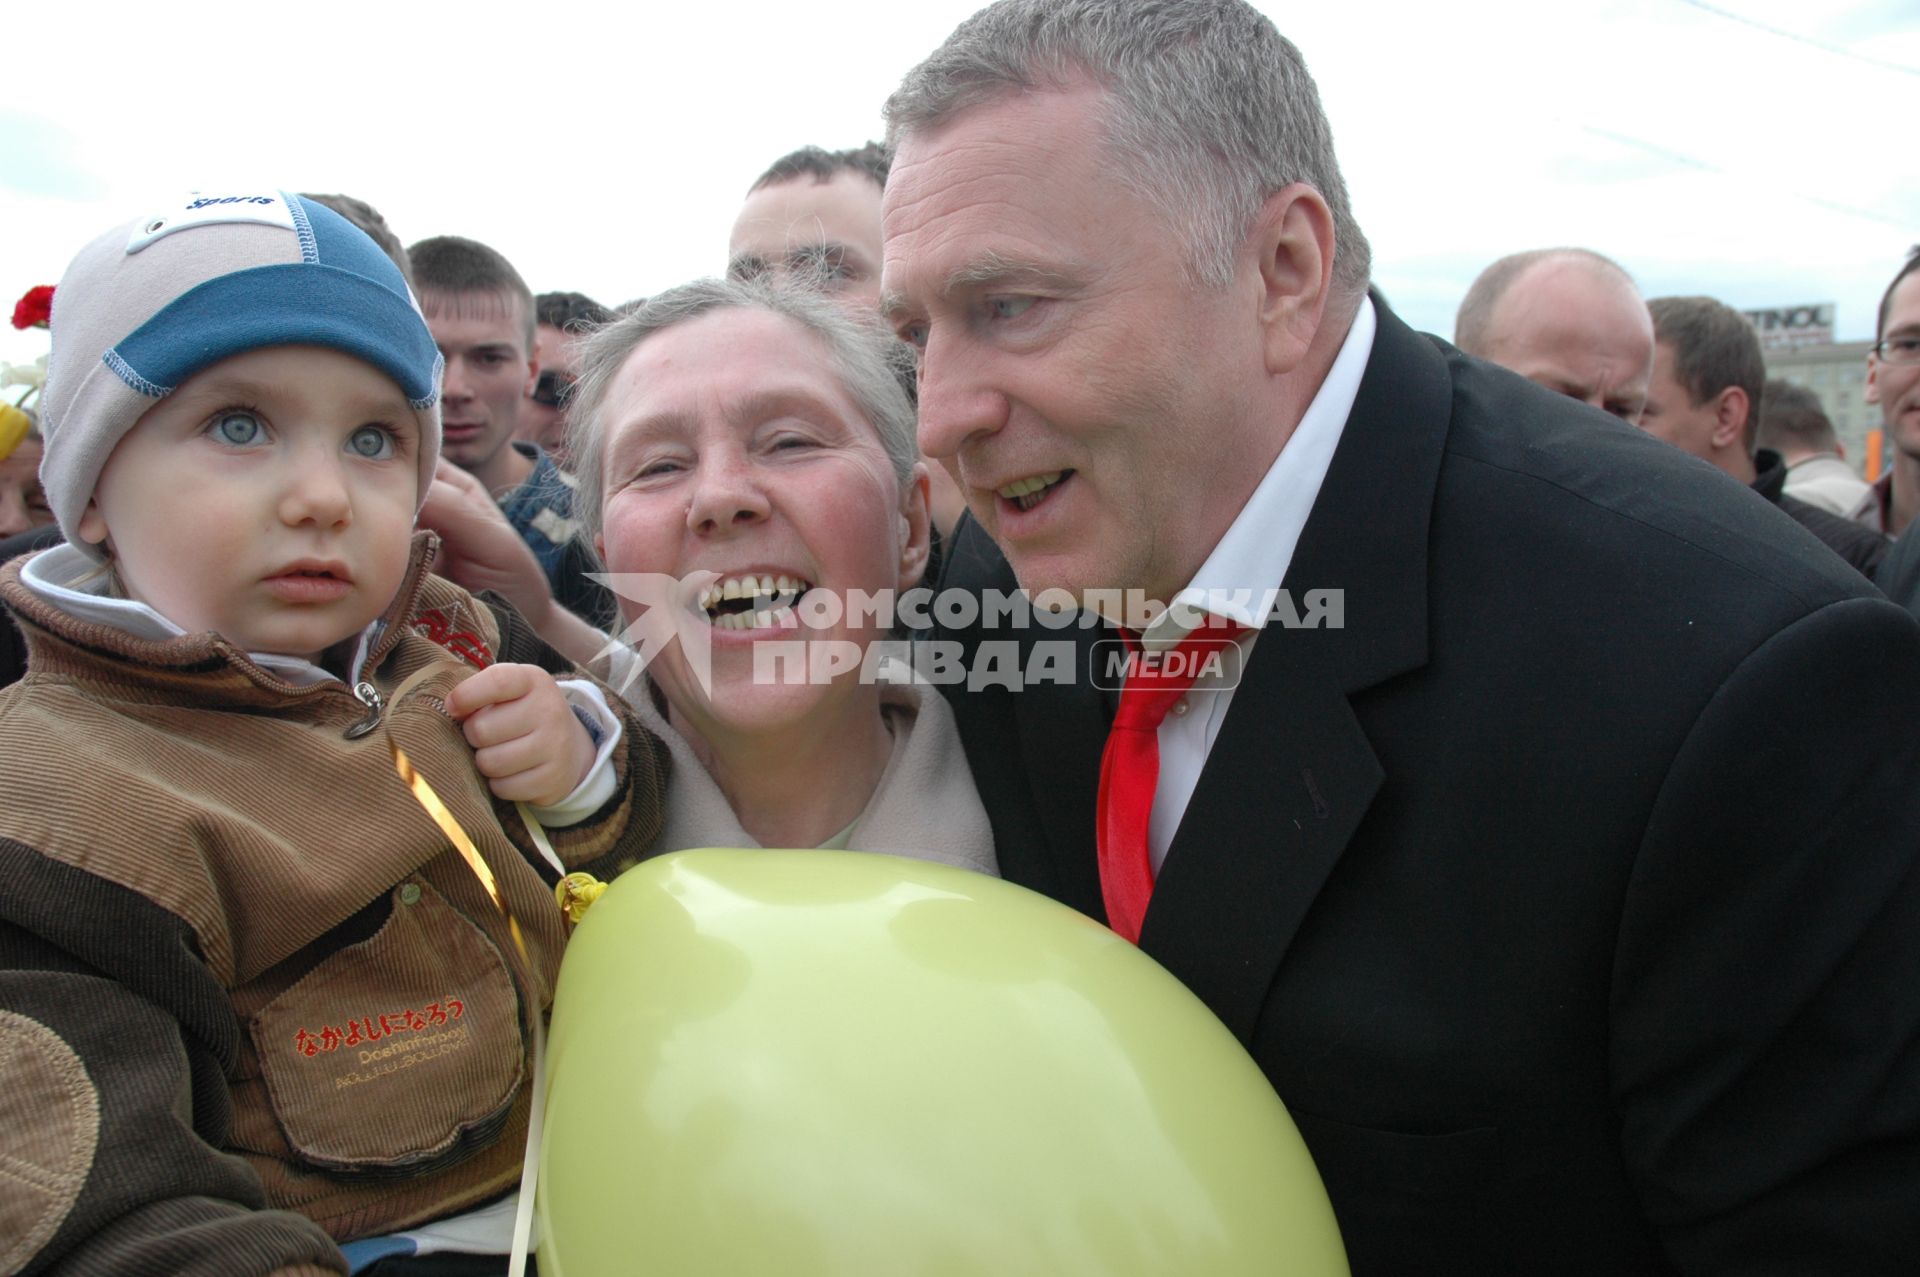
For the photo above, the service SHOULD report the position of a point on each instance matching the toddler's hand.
(526, 740)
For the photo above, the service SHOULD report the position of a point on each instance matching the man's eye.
(374, 443)
(914, 335)
(238, 428)
(1905, 345)
(1009, 307)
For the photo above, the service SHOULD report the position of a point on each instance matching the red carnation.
(35, 309)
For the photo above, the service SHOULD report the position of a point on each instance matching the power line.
(1795, 36)
(1707, 166)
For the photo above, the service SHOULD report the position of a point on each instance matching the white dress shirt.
(1251, 559)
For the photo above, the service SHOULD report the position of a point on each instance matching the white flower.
(33, 374)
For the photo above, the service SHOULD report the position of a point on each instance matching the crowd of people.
(1559, 865)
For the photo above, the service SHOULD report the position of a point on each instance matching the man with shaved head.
(1568, 319)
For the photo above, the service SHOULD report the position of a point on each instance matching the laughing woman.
(752, 441)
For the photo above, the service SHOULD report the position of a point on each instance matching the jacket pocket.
(401, 1053)
(1412, 1204)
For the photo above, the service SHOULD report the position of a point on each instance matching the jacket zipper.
(369, 695)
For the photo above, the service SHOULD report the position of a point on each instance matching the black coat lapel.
(1291, 775)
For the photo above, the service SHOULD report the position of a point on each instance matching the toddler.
(254, 1002)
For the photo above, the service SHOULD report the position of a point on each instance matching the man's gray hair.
(1473, 325)
(1212, 109)
(860, 351)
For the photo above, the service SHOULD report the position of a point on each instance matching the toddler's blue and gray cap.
(216, 273)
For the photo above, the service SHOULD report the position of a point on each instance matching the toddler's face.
(269, 498)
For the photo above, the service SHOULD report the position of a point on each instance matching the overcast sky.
(1761, 151)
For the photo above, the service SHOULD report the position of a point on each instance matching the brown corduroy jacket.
(247, 986)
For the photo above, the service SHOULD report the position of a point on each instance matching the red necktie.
(1130, 767)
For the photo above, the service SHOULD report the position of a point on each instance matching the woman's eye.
(238, 428)
(374, 443)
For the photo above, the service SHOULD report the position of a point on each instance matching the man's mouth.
(752, 602)
(1031, 491)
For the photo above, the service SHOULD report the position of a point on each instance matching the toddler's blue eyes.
(372, 442)
(238, 428)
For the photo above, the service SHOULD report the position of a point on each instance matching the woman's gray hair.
(862, 353)
(1212, 109)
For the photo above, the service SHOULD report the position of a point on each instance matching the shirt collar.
(1253, 556)
(87, 600)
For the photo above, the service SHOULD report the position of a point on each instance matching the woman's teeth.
(1027, 493)
(752, 602)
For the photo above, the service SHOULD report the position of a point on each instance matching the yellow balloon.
(834, 1063)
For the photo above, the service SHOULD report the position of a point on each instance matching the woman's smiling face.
(733, 450)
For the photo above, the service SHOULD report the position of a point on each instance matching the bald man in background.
(1568, 319)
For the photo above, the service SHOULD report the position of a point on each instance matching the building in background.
(1837, 373)
(1799, 347)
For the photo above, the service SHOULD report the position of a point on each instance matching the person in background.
(1485, 873)
(814, 216)
(23, 502)
(560, 321)
(368, 219)
(481, 314)
(1567, 318)
(1893, 382)
(26, 520)
(1704, 398)
(1794, 424)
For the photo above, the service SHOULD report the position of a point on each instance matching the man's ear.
(1293, 237)
(915, 521)
(1730, 411)
(1873, 379)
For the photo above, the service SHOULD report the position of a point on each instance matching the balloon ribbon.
(424, 795)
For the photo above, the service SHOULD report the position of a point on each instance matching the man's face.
(1896, 387)
(1087, 394)
(1579, 331)
(829, 231)
(490, 373)
(1671, 414)
(542, 422)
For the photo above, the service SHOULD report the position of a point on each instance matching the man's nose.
(454, 380)
(957, 401)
